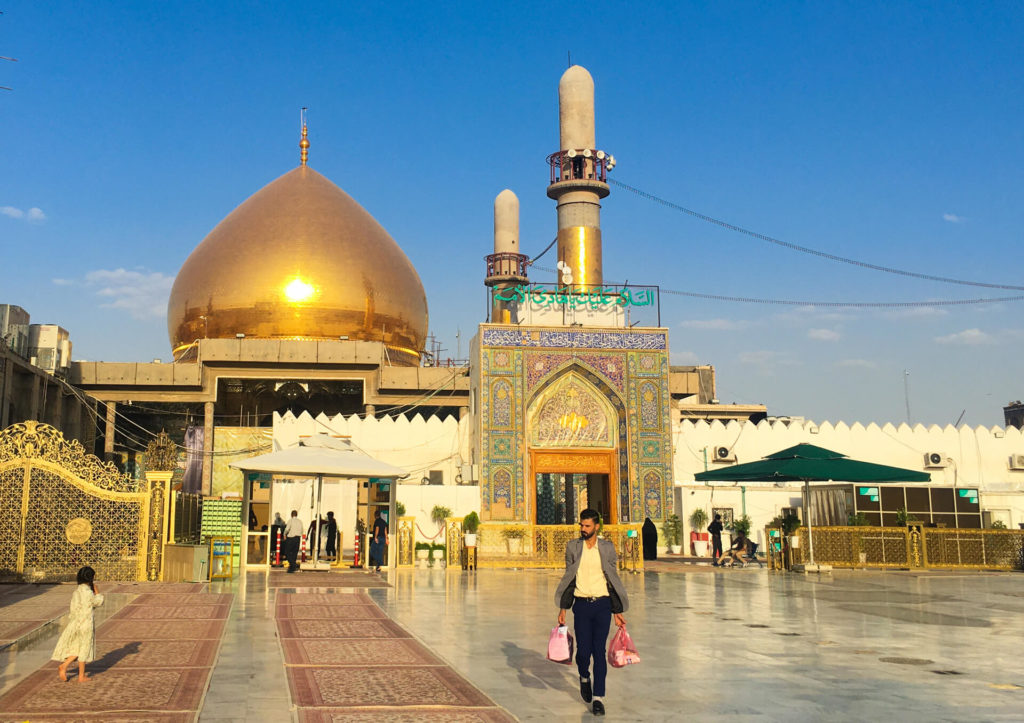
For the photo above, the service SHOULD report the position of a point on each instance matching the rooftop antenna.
(568, 54)
(304, 143)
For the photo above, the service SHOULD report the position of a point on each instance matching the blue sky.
(888, 133)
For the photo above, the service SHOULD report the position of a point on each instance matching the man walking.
(592, 588)
(292, 536)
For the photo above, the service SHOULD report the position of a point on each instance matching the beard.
(587, 536)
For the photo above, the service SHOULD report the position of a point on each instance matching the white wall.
(976, 457)
(415, 444)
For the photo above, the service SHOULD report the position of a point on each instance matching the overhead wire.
(829, 304)
(806, 249)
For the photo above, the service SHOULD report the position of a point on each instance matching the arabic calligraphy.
(563, 296)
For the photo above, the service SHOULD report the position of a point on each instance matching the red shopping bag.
(560, 645)
(622, 651)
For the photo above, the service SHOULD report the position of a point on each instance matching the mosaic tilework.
(630, 368)
(581, 339)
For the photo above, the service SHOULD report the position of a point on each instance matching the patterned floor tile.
(344, 597)
(14, 629)
(158, 587)
(117, 654)
(160, 629)
(180, 612)
(406, 715)
(158, 689)
(31, 610)
(172, 599)
(340, 629)
(387, 651)
(149, 717)
(313, 580)
(329, 612)
(384, 686)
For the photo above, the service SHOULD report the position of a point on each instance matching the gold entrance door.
(567, 481)
(61, 509)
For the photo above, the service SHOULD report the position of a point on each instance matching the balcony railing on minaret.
(506, 268)
(582, 164)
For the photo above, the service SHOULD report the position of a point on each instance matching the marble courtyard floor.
(435, 645)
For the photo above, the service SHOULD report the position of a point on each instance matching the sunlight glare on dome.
(298, 291)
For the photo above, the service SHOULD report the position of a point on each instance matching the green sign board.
(598, 298)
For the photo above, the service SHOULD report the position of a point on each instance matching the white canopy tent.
(325, 456)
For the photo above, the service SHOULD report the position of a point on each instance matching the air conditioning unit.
(469, 473)
(934, 460)
(1017, 461)
(723, 454)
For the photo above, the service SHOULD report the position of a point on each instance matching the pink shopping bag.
(622, 651)
(560, 645)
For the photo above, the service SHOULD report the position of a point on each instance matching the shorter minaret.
(578, 183)
(506, 267)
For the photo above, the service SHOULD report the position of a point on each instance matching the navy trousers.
(591, 622)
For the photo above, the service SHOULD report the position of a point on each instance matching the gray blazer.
(609, 564)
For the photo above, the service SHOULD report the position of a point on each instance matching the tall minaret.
(506, 267)
(578, 182)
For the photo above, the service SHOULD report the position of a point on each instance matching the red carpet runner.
(155, 659)
(347, 661)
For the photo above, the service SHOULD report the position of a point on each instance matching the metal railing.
(543, 546)
(582, 164)
(507, 265)
(906, 547)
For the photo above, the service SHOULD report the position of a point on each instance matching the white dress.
(79, 637)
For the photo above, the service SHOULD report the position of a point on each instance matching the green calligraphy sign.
(596, 298)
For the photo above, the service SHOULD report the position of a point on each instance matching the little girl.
(79, 637)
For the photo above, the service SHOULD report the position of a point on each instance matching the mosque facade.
(299, 314)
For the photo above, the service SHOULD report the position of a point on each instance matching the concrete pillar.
(6, 387)
(74, 417)
(109, 431)
(370, 410)
(208, 448)
(55, 402)
(33, 402)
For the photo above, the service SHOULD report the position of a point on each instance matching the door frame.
(577, 460)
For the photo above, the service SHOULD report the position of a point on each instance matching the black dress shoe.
(598, 708)
(586, 691)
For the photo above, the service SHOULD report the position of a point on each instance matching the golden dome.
(300, 259)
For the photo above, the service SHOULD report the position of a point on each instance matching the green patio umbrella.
(808, 463)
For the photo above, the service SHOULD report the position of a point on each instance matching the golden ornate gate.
(61, 508)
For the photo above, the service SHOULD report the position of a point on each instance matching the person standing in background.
(715, 528)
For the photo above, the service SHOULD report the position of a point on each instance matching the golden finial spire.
(304, 143)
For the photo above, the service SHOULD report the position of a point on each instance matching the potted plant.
(904, 518)
(437, 554)
(672, 529)
(514, 539)
(423, 553)
(857, 520)
(470, 524)
(698, 532)
(439, 514)
(741, 525)
(399, 509)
